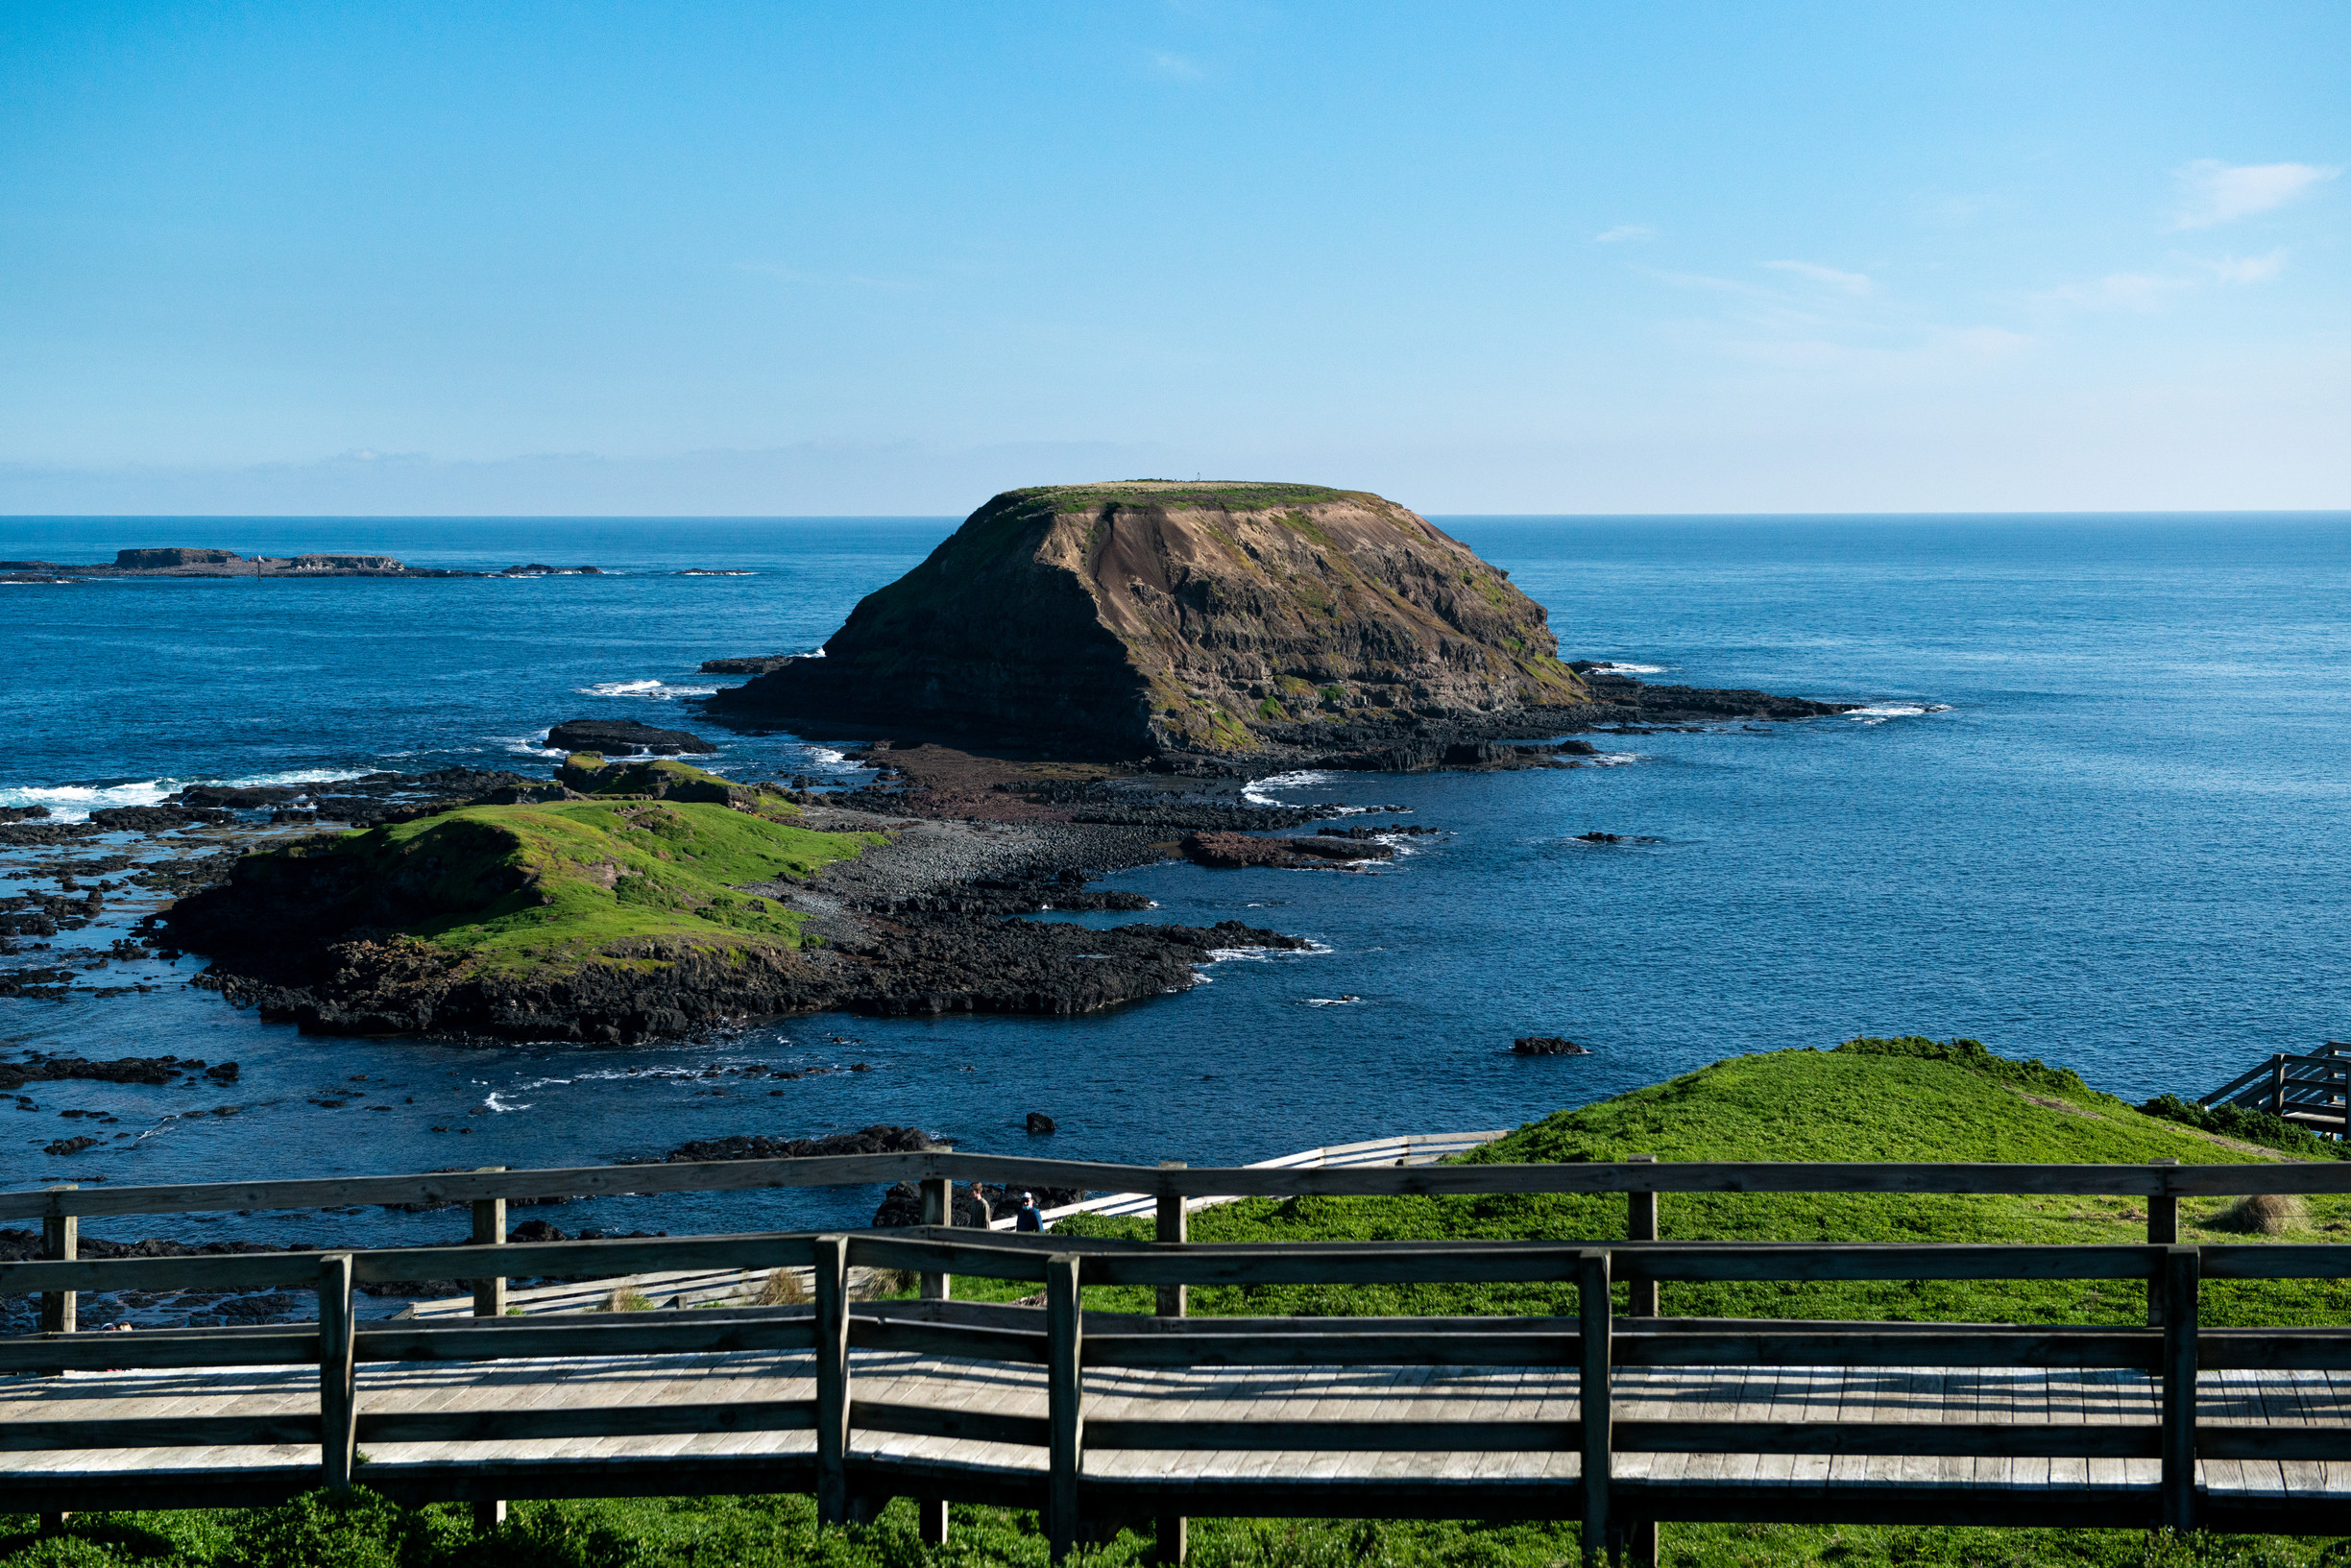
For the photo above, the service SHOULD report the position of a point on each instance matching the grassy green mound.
(510, 886)
(1906, 1099)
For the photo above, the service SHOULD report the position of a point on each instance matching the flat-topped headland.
(1257, 626)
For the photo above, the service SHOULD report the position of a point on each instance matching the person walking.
(1031, 1216)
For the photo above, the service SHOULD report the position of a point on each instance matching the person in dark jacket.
(1031, 1216)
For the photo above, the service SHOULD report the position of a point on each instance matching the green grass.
(526, 885)
(780, 1531)
(1909, 1099)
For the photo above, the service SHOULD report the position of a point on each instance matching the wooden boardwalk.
(1138, 1478)
(1099, 1418)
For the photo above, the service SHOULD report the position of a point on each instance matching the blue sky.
(813, 259)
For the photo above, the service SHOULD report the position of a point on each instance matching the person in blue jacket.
(1031, 1216)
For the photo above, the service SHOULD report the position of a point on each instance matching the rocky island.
(1081, 679)
(1272, 624)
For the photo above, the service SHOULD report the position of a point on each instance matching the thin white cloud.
(2117, 291)
(1847, 282)
(2251, 269)
(1179, 66)
(2214, 193)
(1624, 232)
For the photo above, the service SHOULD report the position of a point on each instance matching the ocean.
(2093, 810)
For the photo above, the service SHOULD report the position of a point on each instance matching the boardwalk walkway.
(1099, 1418)
(1517, 1476)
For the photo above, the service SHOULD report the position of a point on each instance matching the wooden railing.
(1065, 1341)
(2313, 1090)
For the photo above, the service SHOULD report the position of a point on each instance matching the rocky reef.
(631, 916)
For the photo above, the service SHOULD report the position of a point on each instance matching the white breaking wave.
(1265, 956)
(1611, 666)
(1612, 759)
(1254, 791)
(74, 803)
(1879, 713)
(654, 690)
(496, 1103)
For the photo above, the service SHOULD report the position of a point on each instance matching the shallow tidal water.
(2093, 811)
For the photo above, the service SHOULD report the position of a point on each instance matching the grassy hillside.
(1904, 1099)
(1870, 1100)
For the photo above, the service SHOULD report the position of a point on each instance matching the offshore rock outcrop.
(1218, 623)
(1153, 616)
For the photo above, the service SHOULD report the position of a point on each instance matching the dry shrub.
(628, 1299)
(2261, 1214)
(782, 1289)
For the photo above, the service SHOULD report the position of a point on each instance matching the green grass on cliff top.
(1847, 1104)
(527, 884)
(1233, 495)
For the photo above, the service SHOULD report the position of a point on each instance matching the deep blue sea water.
(2094, 812)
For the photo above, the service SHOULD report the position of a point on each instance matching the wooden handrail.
(2300, 1177)
(1059, 1338)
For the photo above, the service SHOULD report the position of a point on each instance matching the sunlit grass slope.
(510, 885)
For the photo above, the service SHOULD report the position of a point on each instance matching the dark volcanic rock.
(1040, 1123)
(243, 797)
(69, 1146)
(879, 1139)
(624, 738)
(1231, 852)
(23, 836)
(22, 813)
(756, 665)
(155, 1070)
(152, 819)
(1547, 1045)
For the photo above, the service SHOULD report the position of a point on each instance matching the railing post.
(1174, 1229)
(2277, 1092)
(1640, 1536)
(937, 1209)
(338, 1369)
(490, 1230)
(60, 1243)
(2180, 1269)
(1065, 1403)
(490, 1301)
(2163, 1230)
(833, 1380)
(1640, 1225)
(1594, 1400)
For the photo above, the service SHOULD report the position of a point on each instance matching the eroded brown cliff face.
(1161, 616)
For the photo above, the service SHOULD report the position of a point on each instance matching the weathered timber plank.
(622, 1334)
(94, 1352)
(933, 1421)
(974, 1342)
(736, 1175)
(1919, 1438)
(475, 1426)
(2133, 1348)
(164, 1432)
(1460, 1435)
(1207, 1348)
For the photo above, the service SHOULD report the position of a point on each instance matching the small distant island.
(180, 560)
